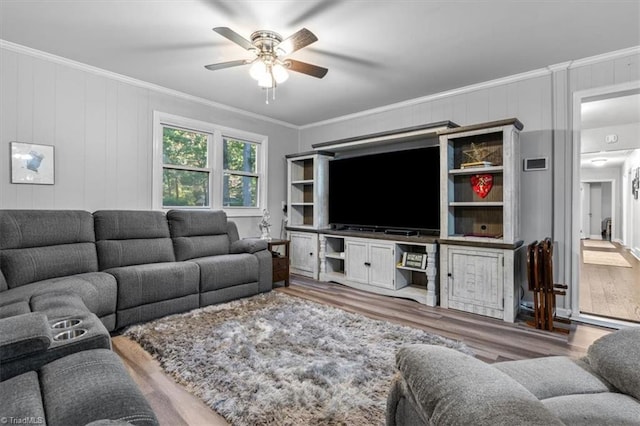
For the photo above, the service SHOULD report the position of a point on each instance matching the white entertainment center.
(474, 264)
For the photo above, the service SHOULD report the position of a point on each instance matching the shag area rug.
(275, 359)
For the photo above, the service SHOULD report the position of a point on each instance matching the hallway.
(609, 291)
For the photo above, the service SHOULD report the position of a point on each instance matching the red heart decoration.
(482, 184)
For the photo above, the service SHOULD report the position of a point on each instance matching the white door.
(382, 268)
(356, 261)
(585, 207)
(596, 210)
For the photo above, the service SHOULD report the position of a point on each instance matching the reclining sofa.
(68, 278)
(441, 386)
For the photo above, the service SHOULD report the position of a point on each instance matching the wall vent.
(534, 164)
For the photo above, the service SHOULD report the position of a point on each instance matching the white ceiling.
(377, 52)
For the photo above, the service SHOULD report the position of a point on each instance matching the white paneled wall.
(101, 128)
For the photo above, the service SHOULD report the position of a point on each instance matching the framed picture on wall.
(32, 163)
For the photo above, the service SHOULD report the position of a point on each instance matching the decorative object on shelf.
(635, 184)
(32, 163)
(265, 225)
(478, 156)
(482, 184)
(414, 260)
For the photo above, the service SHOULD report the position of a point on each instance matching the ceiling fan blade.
(296, 41)
(223, 65)
(305, 68)
(234, 37)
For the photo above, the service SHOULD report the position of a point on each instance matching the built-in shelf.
(302, 182)
(476, 204)
(476, 170)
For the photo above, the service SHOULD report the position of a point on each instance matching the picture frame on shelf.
(32, 163)
(414, 260)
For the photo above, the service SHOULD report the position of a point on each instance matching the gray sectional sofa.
(441, 386)
(68, 278)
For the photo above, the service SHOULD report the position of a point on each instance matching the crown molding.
(635, 50)
(415, 101)
(484, 85)
(134, 82)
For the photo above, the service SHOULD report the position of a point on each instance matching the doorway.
(597, 203)
(606, 279)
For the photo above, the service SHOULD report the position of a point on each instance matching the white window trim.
(161, 119)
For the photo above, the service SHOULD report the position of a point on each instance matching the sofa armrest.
(450, 387)
(248, 245)
(23, 335)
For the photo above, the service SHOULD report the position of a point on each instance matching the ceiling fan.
(271, 63)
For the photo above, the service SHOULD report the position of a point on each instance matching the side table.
(280, 262)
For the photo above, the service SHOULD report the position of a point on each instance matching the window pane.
(185, 188)
(240, 191)
(184, 148)
(240, 156)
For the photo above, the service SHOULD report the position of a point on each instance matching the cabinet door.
(303, 252)
(356, 258)
(476, 281)
(382, 270)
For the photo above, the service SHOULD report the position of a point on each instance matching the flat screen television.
(397, 190)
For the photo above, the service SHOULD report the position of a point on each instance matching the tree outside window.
(240, 174)
(186, 172)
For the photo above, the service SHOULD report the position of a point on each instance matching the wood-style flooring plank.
(611, 291)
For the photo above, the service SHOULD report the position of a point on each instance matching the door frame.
(578, 97)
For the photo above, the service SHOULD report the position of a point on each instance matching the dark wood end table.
(280, 262)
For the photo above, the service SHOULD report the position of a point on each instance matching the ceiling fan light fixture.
(280, 73)
(258, 70)
(266, 80)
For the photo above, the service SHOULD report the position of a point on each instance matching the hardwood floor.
(492, 340)
(611, 291)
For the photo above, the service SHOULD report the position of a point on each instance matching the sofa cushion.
(143, 284)
(454, 388)
(13, 309)
(601, 409)
(189, 223)
(20, 398)
(130, 224)
(198, 233)
(132, 237)
(98, 291)
(28, 265)
(37, 228)
(548, 377)
(616, 357)
(217, 272)
(116, 253)
(92, 385)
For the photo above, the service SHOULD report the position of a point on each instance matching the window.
(185, 168)
(195, 166)
(240, 185)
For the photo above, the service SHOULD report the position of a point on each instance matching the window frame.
(215, 165)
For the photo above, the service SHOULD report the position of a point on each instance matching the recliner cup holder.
(69, 334)
(66, 323)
